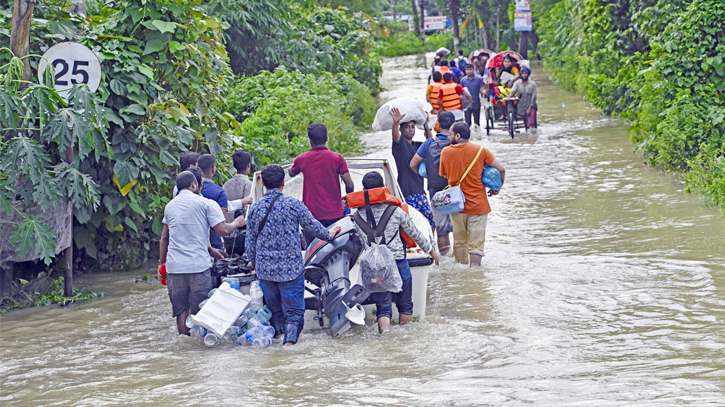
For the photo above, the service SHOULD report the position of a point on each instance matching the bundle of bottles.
(250, 328)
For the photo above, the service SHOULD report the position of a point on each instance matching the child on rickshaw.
(505, 77)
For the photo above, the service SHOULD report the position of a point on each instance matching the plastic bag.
(422, 171)
(378, 270)
(491, 178)
(411, 108)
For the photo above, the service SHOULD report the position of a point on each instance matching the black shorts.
(186, 291)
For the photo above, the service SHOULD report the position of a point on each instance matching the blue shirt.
(189, 217)
(217, 194)
(276, 252)
(456, 72)
(474, 87)
(423, 149)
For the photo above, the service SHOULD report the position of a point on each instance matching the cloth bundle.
(411, 108)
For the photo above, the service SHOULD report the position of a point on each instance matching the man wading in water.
(404, 148)
(322, 170)
(184, 247)
(273, 248)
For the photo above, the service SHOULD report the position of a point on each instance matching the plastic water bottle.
(190, 321)
(234, 283)
(263, 314)
(213, 290)
(232, 333)
(242, 320)
(211, 340)
(198, 331)
(255, 291)
(242, 340)
(201, 304)
(261, 342)
(267, 330)
(253, 323)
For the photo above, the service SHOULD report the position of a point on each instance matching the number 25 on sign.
(73, 63)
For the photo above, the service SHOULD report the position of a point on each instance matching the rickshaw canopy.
(497, 60)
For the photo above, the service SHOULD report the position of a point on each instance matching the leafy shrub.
(661, 66)
(276, 108)
(409, 43)
(263, 35)
(164, 77)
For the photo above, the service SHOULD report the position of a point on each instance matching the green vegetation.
(52, 293)
(409, 43)
(263, 35)
(168, 86)
(276, 109)
(659, 65)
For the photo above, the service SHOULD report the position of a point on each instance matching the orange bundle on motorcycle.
(380, 195)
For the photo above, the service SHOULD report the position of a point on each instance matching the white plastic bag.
(379, 271)
(411, 108)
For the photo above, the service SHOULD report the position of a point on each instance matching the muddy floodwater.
(603, 284)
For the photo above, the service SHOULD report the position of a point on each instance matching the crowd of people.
(474, 80)
(205, 221)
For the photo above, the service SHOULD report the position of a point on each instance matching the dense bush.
(409, 43)
(263, 35)
(658, 64)
(277, 107)
(164, 77)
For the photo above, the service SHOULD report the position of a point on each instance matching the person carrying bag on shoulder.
(462, 163)
(384, 269)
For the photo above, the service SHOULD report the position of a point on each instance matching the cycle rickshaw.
(511, 122)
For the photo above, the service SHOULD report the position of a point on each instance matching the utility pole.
(523, 44)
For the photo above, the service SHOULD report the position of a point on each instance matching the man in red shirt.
(322, 170)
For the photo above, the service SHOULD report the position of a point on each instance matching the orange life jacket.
(445, 69)
(449, 98)
(435, 89)
(380, 195)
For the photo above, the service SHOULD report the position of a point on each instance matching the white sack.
(411, 108)
(443, 50)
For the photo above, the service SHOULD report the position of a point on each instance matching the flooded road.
(603, 284)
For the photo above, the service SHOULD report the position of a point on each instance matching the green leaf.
(176, 46)
(125, 171)
(33, 233)
(146, 70)
(140, 97)
(158, 225)
(80, 187)
(64, 28)
(167, 158)
(118, 87)
(67, 127)
(164, 26)
(130, 224)
(155, 45)
(135, 109)
(9, 108)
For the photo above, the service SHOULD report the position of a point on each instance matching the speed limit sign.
(73, 63)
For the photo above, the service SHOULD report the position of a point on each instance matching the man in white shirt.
(185, 246)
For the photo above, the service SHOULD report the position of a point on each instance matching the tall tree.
(20, 33)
